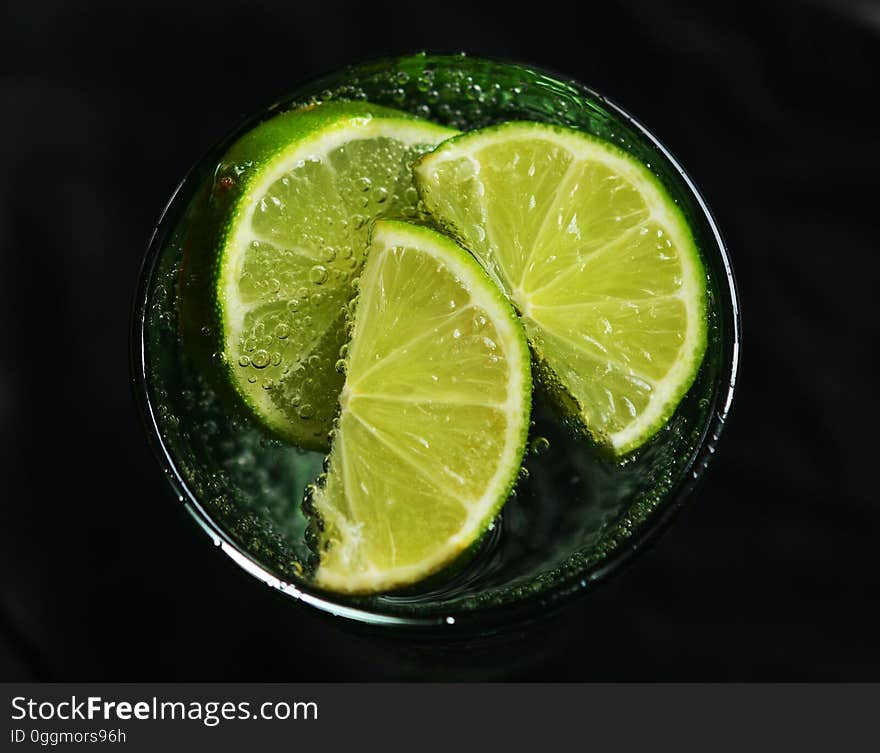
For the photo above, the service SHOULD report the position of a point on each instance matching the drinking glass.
(575, 517)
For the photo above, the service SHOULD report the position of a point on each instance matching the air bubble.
(539, 445)
(282, 330)
(260, 359)
(318, 274)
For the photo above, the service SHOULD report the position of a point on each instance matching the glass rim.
(570, 585)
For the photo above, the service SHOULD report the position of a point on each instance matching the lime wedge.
(596, 257)
(433, 416)
(305, 186)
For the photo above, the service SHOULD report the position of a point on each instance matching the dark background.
(771, 575)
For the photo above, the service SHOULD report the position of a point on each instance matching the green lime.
(302, 189)
(433, 415)
(596, 257)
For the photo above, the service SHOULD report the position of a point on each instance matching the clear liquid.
(572, 508)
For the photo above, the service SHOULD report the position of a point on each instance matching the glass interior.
(574, 516)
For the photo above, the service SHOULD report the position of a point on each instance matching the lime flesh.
(308, 184)
(433, 416)
(597, 259)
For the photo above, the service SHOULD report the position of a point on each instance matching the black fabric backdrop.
(771, 574)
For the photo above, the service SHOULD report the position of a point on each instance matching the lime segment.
(434, 415)
(597, 259)
(307, 185)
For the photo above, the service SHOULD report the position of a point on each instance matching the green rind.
(464, 257)
(553, 385)
(243, 167)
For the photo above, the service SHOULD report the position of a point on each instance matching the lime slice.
(596, 257)
(305, 186)
(434, 415)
